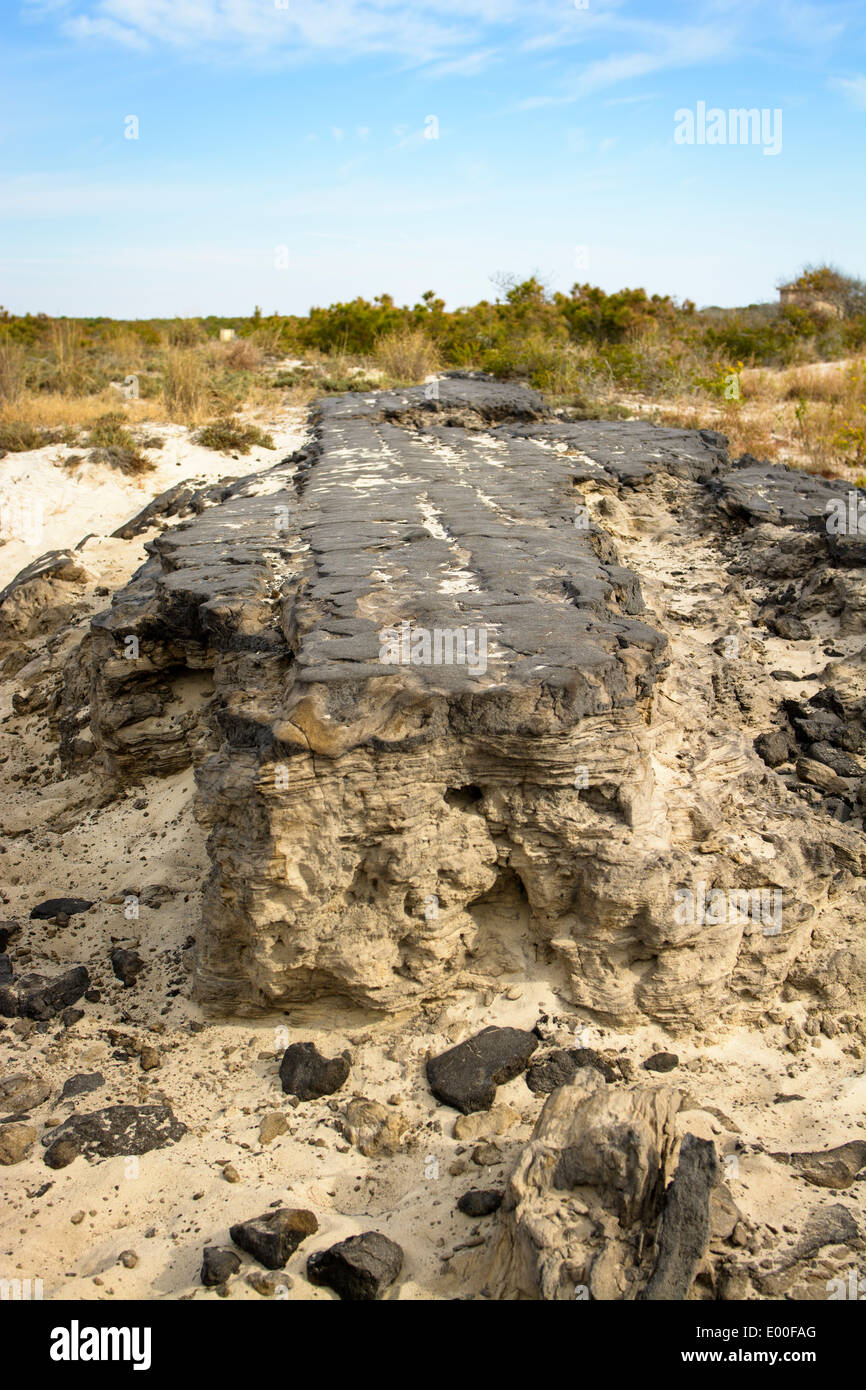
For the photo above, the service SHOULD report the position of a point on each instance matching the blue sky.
(283, 155)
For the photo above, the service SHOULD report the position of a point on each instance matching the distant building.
(795, 293)
(227, 335)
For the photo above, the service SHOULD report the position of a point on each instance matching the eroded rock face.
(584, 1201)
(386, 827)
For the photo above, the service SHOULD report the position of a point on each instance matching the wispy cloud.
(428, 31)
(681, 48)
(854, 88)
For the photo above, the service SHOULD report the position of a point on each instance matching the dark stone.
(274, 1237)
(52, 907)
(790, 628)
(466, 1076)
(358, 1269)
(776, 747)
(61, 1154)
(218, 1265)
(558, 1068)
(685, 1223)
(782, 496)
(169, 503)
(82, 1084)
(34, 996)
(119, 1129)
(480, 1201)
(841, 763)
(69, 1017)
(662, 1061)
(92, 996)
(127, 965)
(5, 969)
(305, 1073)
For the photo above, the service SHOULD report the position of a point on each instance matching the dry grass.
(13, 371)
(240, 355)
(825, 381)
(810, 417)
(55, 411)
(407, 355)
(185, 387)
(68, 368)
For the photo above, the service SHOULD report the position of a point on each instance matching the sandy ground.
(69, 1227)
(47, 505)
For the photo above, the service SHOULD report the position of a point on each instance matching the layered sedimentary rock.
(440, 741)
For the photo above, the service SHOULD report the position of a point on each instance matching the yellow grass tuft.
(407, 355)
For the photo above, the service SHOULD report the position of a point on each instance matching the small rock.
(776, 747)
(218, 1265)
(269, 1284)
(7, 931)
(466, 1076)
(52, 907)
(305, 1073)
(375, 1131)
(230, 1173)
(272, 1126)
(61, 1154)
(275, 1236)
(149, 1059)
(77, 1217)
(486, 1155)
(20, 1092)
(358, 1269)
(820, 776)
(127, 965)
(15, 1140)
(480, 1201)
(128, 1259)
(791, 629)
(661, 1061)
(484, 1123)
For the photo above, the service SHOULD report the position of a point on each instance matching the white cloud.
(854, 89)
(675, 49)
(425, 31)
(456, 37)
